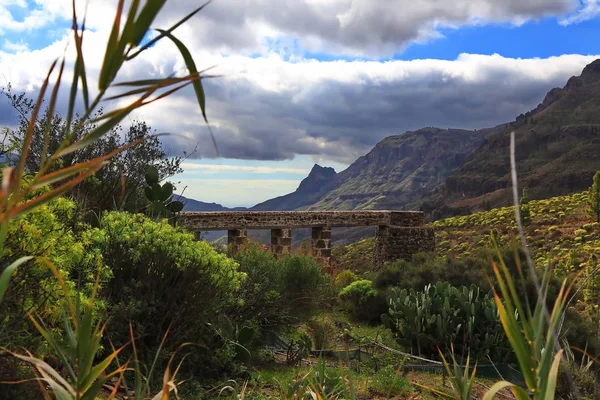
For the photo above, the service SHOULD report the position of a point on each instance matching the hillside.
(557, 151)
(401, 169)
(560, 232)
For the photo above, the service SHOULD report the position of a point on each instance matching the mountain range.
(455, 171)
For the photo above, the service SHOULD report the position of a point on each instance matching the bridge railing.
(400, 234)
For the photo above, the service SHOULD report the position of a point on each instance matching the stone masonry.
(281, 241)
(395, 242)
(321, 244)
(236, 238)
(400, 234)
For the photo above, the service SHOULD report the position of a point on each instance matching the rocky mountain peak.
(317, 177)
(591, 73)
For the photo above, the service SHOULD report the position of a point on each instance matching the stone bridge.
(399, 235)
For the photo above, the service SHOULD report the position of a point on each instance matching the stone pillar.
(281, 242)
(236, 238)
(321, 245)
(394, 242)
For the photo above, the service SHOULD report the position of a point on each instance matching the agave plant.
(462, 382)
(532, 335)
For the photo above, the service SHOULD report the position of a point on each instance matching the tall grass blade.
(171, 29)
(7, 273)
(112, 60)
(145, 19)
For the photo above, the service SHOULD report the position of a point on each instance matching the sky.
(316, 81)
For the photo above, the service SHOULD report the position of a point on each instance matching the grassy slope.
(561, 231)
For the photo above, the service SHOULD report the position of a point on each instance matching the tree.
(120, 184)
(594, 198)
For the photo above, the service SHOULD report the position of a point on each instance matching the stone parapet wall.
(400, 234)
(206, 221)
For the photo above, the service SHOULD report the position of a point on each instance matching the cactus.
(441, 314)
(160, 197)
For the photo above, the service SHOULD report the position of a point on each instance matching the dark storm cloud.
(341, 120)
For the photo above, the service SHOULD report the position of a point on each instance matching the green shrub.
(387, 381)
(277, 292)
(162, 279)
(426, 268)
(441, 315)
(362, 300)
(345, 278)
(323, 330)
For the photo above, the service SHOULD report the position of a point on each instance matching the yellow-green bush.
(50, 232)
(163, 279)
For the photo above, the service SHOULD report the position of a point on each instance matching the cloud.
(372, 28)
(212, 168)
(15, 46)
(237, 192)
(338, 110)
(270, 107)
(590, 9)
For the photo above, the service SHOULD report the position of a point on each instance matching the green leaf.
(148, 193)
(498, 386)
(151, 175)
(7, 274)
(171, 29)
(175, 206)
(112, 60)
(113, 119)
(157, 192)
(225, 326)
(191, 66)
(156, 208)
(242, 353)
(53, 378)
(145, 19)
(552, 377)
(166, 191)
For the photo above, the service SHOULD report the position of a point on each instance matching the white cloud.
(267, 108)
(15, 46)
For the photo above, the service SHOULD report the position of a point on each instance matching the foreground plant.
(532, 335)
(19, 194)
(462, 382)
(84, 378)
(124, 45)
(321, 384)
(81, 376)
